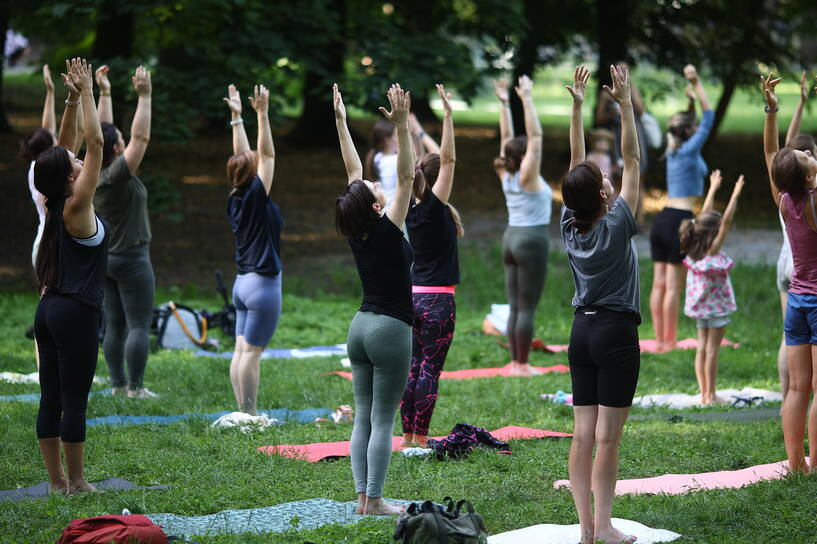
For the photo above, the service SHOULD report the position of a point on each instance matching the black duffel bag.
(428, 523)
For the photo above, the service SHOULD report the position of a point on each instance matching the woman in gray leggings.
(121, 199)
(525, 242)
(379, 342)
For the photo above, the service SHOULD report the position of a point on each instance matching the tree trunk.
(4, 24)
(114, 32)
(526, 58)
(730, 83)
(612, 27)
(421, 107)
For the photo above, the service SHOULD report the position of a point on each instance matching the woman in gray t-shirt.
(604, 355)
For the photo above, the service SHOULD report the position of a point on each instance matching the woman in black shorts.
(604, 356)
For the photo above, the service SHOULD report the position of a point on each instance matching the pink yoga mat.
(650, 345)
(323, 450)
(469, 373)
(678, 484)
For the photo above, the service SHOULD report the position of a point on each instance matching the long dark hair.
(39, 140)
(425, 176)
(110, 137)
(354, 215)
(51, 173)
(580, 191)
(381, 130)
(514, 153)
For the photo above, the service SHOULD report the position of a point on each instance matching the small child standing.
(710, 298)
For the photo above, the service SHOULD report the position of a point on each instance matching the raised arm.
(351, 160)
(529, 168)
(577, 150)
(266, 151)
(423, 143)
(691, 74)
(49, 121)
(630, 152)
(690, 94)
(400, 105)
(505, 121)
(140, 128)
(771, 144)
(79, 208)
(68, 125)
(796, 119)
(233, 100)
(715, 180)
(105, 107)
(445, 178)
(728, 215)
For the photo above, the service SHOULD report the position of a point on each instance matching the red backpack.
(128, 529)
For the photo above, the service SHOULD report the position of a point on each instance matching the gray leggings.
(129, 289)
(525, 256)
(379, 348)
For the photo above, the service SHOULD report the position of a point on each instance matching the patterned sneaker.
(143, 393)
(119, 391)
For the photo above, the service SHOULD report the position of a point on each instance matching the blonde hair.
(680, 128)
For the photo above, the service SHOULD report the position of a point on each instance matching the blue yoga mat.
(35, 397)
(338, 350)
(284, 414)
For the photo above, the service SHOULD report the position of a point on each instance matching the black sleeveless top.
(81, 269)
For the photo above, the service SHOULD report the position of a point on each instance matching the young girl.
(709, 295)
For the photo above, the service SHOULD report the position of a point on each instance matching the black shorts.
(665, 243)
(604, 357)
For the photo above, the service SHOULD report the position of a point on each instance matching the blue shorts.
(801, 320)
(257, 302)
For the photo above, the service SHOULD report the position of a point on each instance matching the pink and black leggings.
(434, 318)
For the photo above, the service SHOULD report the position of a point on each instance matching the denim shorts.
(800, 324)
(717, 322)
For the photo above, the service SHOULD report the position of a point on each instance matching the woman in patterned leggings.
(433, 226)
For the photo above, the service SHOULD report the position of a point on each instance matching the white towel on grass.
(246, 422)
(681, 400)
(499, 317)
(34, 377)
(570, 534)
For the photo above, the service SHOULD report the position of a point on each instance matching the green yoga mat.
(735, 416)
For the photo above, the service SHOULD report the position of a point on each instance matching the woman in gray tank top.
(525, 242)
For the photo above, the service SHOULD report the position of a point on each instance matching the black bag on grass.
(428, 523)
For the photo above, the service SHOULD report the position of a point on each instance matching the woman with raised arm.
(433, 227)
(122, 200)
(526, 239)
(597, 228)
(256, 222)
(792, 174)
(686, 171)
(71, 264)
(379, 342)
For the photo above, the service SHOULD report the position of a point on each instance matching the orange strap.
(199, 341)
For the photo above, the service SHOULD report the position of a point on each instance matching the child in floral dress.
(710, 298)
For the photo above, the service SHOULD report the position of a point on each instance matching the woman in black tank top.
(71, 264)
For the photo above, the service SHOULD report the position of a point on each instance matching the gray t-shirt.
(122, 200)
(604, 261)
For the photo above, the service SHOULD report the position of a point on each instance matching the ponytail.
(698, 234)
(51, 173)
(48, 253)
(455, 215)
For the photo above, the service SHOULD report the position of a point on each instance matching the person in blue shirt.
(686, 171)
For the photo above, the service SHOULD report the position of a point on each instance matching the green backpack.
(428, 523)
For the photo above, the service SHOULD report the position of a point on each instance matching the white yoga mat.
(570, 534)
(681, 400)
(34, 377)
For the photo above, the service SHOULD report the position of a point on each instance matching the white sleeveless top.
(526, 209)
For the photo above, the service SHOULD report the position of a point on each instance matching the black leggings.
(67, 339)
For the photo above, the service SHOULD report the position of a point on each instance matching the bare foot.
(523, 369)
(614, 536)
(587, 537)
(361, 503)
(705, 400)
(80, 487)
(60, 487)
(421, 441)
(376, 506)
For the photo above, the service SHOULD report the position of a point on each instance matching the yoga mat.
(570, 534)
(35, 397)
(283, 353)
(682, 400)
(649, 345)
(40, 491)
(326, 450)
(284, 414)
(752, 415)
(34, 377)
(310, 514)
(678, 484)
(470, 373)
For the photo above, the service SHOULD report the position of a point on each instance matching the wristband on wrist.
(767, 109)
(420, 133)
(107, 93)
(69, 102)
(236, 121)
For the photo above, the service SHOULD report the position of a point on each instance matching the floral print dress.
(709, 290)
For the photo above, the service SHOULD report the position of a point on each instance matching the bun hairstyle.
(241, 168)
(381, 130)
(51, 172)
(425, 176)
(680, 128)
(698, 234)
(31, 147)
(514, 152)
(354, 215)
(580, 191)
(803, 142)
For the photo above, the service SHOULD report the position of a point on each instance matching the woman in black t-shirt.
(379, 342)
(433, 226)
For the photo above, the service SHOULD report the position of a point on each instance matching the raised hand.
(79, 78)
(580, 77)
(400, 102)
(414, 124)
(445, 98)
(804, 88)
(621, 84)
(691, 74)
(501, 90)
(49, 83)
(337, 101)
(141, 81)
(738, 186)
(260, 99)
(767, 85)
(524, 88)
(102, 80)
(233, 99)
(715, 180)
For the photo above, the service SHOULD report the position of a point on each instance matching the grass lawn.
(213, 470)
